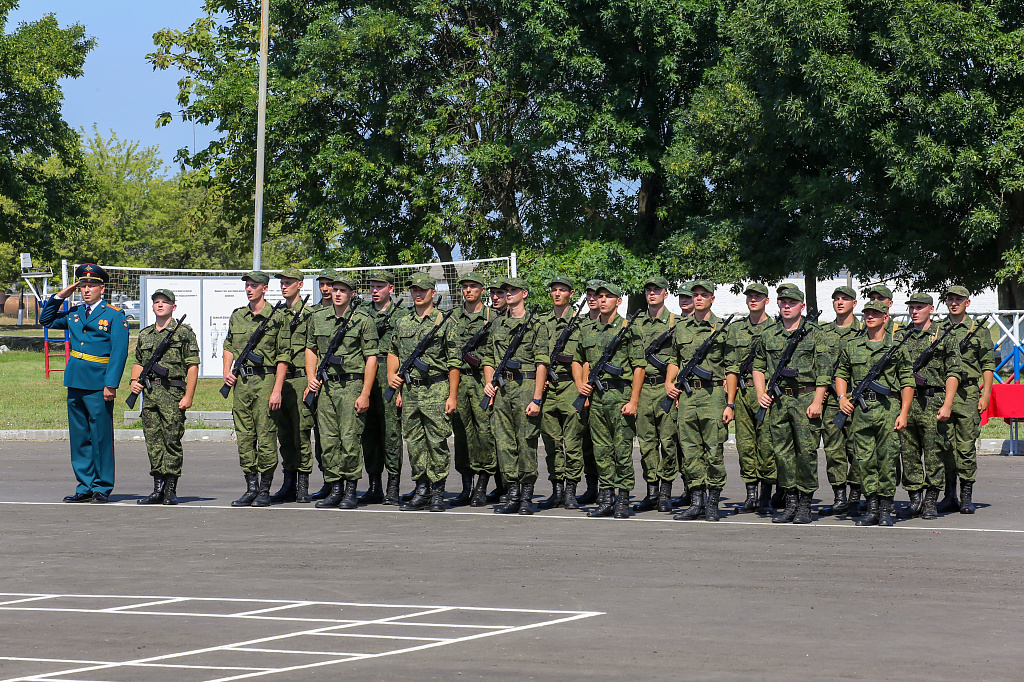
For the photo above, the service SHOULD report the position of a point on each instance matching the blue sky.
(120, 91)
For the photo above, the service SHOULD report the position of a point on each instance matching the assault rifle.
(468, 356)
(382, 324)
(249, 353)
(926, 356)
(870, 381)
(693, 368)
(297, 316)
(604, 364)
(153, 366)
(782, 370)
(748, 363)
(558, 353)
(329, 357)
(649, 353)
(966, 341)
(498, 378)
(414, 358)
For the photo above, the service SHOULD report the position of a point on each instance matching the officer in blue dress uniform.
(99, 351)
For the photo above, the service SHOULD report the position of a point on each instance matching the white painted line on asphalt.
(256, 650)
(22, 601)
(272, 608)
(115, 609)
(352, 634)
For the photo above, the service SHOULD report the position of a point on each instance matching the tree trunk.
(811, 290)
(649, 200)
(1010, 293)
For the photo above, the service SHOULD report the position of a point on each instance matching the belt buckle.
(509, 376)
(871, 395)
(789, 391)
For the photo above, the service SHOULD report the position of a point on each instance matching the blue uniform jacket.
(99, 345)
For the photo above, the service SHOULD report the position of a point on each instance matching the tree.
(42, 180)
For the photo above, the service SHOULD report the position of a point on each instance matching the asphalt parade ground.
(203, 592)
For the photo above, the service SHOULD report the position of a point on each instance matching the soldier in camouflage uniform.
(977, 356)
(164, 405)
(925, 443)
(561, 426)
(295, 421)
(257, 399)
(517, 403)
(612, 410)
(794, 417)
(382, 437)
(872, 430)
(499, 305)
(589, 496)
(344, 394)
(323, 281)
(701, 419)
(428, 403)
(840, 458)
(753, 442)
(656, 428)
(880, 292)
(474, 444)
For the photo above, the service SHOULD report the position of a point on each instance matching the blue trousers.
(91, 429)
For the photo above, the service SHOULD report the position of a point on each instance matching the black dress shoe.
(99, 498)
(79, 497)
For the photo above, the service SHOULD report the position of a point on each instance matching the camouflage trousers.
(657, 435)
(382, 437)
(613, 434)
(795, 441)
(702, 436)
(474, 443)
(925, 445)
(966, 426)
(840, 455)
(255, 424)
(163, 424)
(426, 428)
(876, 445)
(561, 428)
(341, 429)
(516, 434)
(294, 427)
(753, 439)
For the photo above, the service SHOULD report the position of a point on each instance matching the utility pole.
(261, 134)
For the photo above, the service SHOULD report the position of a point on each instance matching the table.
(1007, 403)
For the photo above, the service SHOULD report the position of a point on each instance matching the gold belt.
(89, 358)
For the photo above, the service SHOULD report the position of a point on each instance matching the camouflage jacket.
(595, 337)
(440, 355)
(357, 344)
(466, 325)
(688, 338)
(810, 360)
(271, 347)
(294, 333)
(651, 328)
(740, 338)
(384, 337)
(183, 351)
(555, 326)
(859, 355)
(945, 361)
(979, 355)
(534, 349)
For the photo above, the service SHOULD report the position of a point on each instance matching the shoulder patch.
(114, 307)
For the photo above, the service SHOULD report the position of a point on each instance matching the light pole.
(261, 134)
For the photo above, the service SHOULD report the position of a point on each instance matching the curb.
(120, 435)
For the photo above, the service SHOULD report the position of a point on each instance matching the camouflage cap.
(611, 288)
(790, 291)
(685, 289)
(166, 293)
(346, 278)
(757, 288)
(705, 284)
(293, 273)
(921, 297)
(90, 272)
(516, 283)
(958, 291)
(497, 282)
(560, 279)
(877, 306)
(594, 284)
(845, 291)
(657, 281)
(421, 280)
(327, 273)
(880, 289)
(474, 278)
(257, 276)
(380, 276)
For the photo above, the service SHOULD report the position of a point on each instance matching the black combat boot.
(333, 498)
(779, 498)
(929, 509)
(252, 489)
(589, 496)
(605, 504)
(302, 488)
(479, 498)
(622, 504)
(651, 501)
(511, 503)
(420, 496)
(287, 491)
(437, 502)
(375, 493)
(916, 502)
(157, 496)
(853, 506)
(684, 497)
(966, 497)
(348, 497)
(322, 493)
(696, 507)
(870, 517)
(570, 495)
(885, 505)
(263, 499)
(838, 506)
(463, 498)
(171, 490)
(665, 496)
(750, 503)
(789, 511)
(711, 506)
(949, 502)
(526, 506)
(391, 493)
(764, 501)
(499, 492)
(803, 508)
(557, 498)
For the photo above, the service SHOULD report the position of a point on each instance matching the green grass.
(28, 400)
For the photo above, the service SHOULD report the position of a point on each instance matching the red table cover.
(1007, 402)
